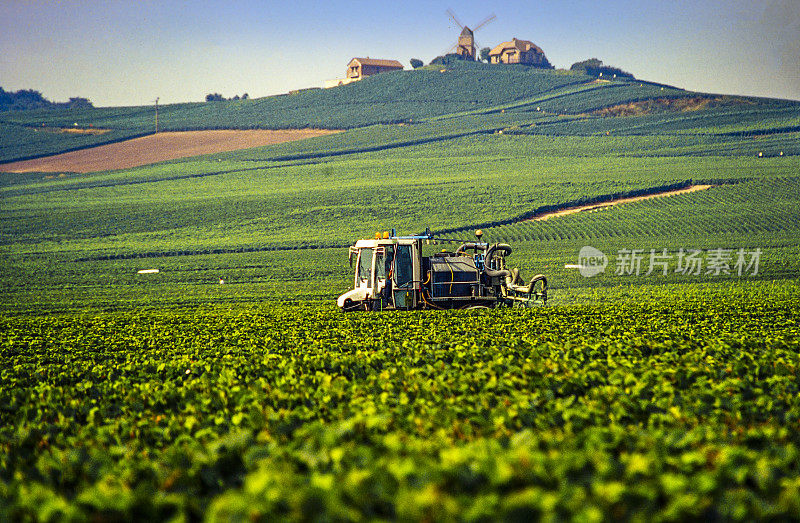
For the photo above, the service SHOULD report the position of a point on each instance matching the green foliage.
(216, 97)
(595, 67)
(582, 66)
(28, 99)
(416, 63)
(127, 396)
(389, 98)
(68, 242)
(748, 213)
(666, 410)
(449, 59)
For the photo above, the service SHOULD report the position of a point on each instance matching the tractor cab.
(390, 272)
(387, 274)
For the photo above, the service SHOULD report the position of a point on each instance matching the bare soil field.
(157, 148)
(596, 206)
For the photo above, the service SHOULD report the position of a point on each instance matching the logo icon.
(591, 261)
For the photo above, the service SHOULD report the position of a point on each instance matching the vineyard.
(431, 104)
(664, 410)
(226, 385)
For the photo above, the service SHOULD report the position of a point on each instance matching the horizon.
(120, 54)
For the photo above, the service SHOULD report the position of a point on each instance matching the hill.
(148, 378)
(568, 102)
(489, 150)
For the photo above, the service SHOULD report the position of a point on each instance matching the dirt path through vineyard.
(596, 206)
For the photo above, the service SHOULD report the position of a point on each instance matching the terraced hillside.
(278, 227)
(489, 146)
(538, 101)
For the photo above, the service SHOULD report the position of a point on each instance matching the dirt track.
(157, 148)
(595, 206)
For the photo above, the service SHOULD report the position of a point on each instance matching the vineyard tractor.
(391, 272)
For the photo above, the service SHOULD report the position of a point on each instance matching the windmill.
(465, 46)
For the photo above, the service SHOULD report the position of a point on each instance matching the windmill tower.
(466, 43)
(465, 46)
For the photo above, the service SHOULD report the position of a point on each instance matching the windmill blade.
(454, 18)
(454, 46)
(487, 21)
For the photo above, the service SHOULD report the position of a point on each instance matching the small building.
(519, 52)
(359, 68)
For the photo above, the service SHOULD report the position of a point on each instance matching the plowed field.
(157, 148)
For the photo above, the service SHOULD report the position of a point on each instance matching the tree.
(79, 103)
(26, 99)
(586, 64)
(485, 54)
(595, 67)
(416, 63)
(215, 97)
(447, 59)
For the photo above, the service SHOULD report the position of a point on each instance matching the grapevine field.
(227, 386)
(671, 409)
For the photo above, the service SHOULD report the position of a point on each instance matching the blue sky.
(130, 52)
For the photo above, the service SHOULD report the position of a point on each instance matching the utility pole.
(156, 115)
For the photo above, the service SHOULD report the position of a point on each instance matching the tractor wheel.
(350, 306)
(474, 307)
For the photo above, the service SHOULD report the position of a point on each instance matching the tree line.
(216, 97)
(27, 99)
(592, 66)
(595, 67)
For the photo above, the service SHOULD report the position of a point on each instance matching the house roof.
(378, 62)
(522, 45)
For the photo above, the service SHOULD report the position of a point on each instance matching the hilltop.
(553, 102)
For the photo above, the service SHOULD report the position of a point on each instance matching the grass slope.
(457, 91)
